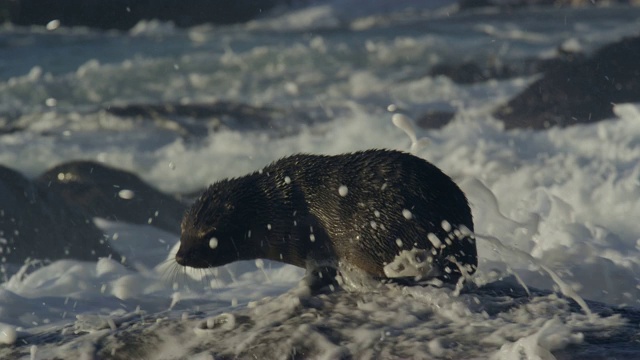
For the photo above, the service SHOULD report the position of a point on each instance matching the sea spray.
(564, 287)
(403, 122)
(482, 193)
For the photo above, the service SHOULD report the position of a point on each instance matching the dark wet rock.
(124, 14)
(51, 217)
(101, 191)
(202, 118)
(434, 119)
(513, 4)
(578, 90)
(34, 223)
(562, 59)
(9, 130)
(470, 72)
(192, 119)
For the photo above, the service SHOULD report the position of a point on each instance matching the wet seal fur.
(358, 210)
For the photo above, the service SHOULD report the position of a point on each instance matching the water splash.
(404, 123)
(565, 289)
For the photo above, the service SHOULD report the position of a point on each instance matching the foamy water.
(566, 198)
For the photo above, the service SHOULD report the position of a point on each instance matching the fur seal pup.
(368, 210)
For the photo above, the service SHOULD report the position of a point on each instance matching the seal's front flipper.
(321, 279)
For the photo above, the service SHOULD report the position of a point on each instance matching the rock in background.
(124, 14)
(51, 217)
(580, 90)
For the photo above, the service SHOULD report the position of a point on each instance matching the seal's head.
(213, 230)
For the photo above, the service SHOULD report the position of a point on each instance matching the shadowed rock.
(101, 191)
(34, 223)
(52, 216)
(578, 90)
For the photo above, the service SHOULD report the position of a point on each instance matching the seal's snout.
(192, 256)
(180, 258)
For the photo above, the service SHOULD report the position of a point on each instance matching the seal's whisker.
(174, 270)
(208, 273)
(167, 261)
(235, 247)
(165, 268)
(201, 278)
(215, 278)
(182, 274)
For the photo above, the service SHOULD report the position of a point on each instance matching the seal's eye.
(207, 233)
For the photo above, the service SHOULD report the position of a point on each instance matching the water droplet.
(125, 194)
(53, 24)
(435, 241)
